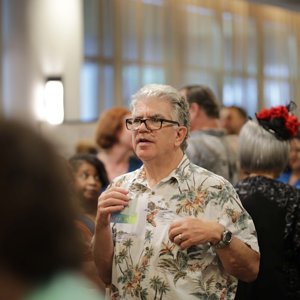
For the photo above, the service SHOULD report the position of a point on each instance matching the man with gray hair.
(171, 230)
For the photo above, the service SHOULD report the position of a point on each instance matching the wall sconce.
(54, 100)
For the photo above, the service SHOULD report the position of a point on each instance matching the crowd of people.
(183, 238)
(192, 200)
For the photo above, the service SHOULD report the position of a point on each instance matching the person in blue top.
(292, 174)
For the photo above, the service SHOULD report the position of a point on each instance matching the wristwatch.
(225, 240)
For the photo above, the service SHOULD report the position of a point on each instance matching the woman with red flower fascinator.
(274, 206)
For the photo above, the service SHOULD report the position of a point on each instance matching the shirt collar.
(176, 174)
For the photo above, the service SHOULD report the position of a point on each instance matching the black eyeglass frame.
(141, 121)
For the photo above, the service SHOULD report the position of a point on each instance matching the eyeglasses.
(150, 123)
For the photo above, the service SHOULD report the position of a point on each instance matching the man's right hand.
(113, 200)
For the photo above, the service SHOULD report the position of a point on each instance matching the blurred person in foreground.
(90, 178)
(40, 252)
(274, 206)
(171, 229)
(115, 143)
(291, 174)
(208, 145)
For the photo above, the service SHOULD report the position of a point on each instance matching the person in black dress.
(273, 205)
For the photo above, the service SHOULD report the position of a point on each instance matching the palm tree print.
(159, 286)
(150, 266)
(178, 266)
(132, 275)
(167, 249)
(190, 202)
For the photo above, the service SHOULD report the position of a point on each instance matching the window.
(246, 54)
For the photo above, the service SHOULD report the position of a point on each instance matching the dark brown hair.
(240, 110)
(77, 160)
(37, 233)
(204, 97)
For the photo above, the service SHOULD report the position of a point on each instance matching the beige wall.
(41, 38)
(66, 136)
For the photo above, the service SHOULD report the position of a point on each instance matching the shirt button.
(153, 193)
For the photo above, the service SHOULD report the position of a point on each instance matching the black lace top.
(275, 209)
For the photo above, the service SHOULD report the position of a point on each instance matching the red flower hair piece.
(279, 121)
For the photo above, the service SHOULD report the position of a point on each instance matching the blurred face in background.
(225, 118)
(125, 135)
(294, 154)
(193, 110)
(231, 120)
(87, 182)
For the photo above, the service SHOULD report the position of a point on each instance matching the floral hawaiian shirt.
(146, 264)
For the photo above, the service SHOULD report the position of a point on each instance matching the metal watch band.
(225, 240)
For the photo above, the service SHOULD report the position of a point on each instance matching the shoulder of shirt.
(211, 179)
(126, 176)
(203, 136)
(213, 132)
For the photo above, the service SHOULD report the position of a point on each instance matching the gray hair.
(180, 107)
(260, 150)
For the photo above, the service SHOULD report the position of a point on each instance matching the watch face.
(225, 241)
(227, 236)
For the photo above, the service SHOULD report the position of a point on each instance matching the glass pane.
(241, 92)
(107, 97)
(154, 33)
(107, 21)
(276, 49)
(130, 29)
(98, 28)
(131, 81)
(251, 49)
(89, 93)
(292, 54)
(202, 43)
(240, 42)
(228, 40)
(191, 77)
(153, 75)
(97, 91)
(276, 93)
(91, 27)
(240, 45)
